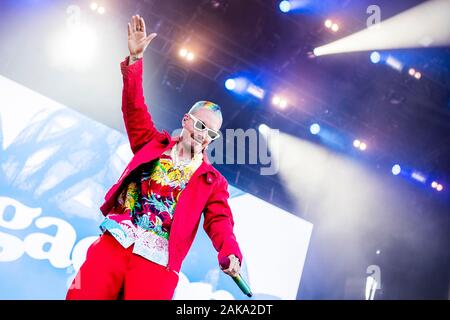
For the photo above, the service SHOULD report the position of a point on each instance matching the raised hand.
(137, 36)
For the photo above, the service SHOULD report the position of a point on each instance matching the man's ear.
(184, 119)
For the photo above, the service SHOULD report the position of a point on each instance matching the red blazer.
(206, 191)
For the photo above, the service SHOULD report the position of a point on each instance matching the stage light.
(378, 252)
(276, 100)
(418, 176)
(75, 48)
(183, 52)
(362, 146)
(375, 57)
(331, 25)
(221, 5)
(390, 33)
(256, 91)
(359, 144)
(279, 102)
(243, 86)
(101, 10)
(238, 85)
(186, 54)
(190, 56)
(437, 186)
(263, 128)
(314, 128)
(411, 71)
(94, 6)
(285, 6)
(417, 75)
(396, 169)
(394, 63)
(230, 84)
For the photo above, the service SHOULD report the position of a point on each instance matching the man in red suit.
(153, 211)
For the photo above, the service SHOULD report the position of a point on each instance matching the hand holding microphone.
(231, 266)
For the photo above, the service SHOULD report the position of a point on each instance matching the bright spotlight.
(263, 128)
(279, 102)
(276, 100)
(378, 251)
(356, 143)
(390, 33)
(328, 23)
(230, 84)
(94, 6)
(362, 146)
(396, 169)
(190, 56)
(416, 175)
(183, 52)
(314, 128)
(285, 6)
(256, 91)
(238, 85)
(411, 72)
(101, 10)
(394, 63)
(335, 27)
(186, 54)
(375, 57)
(75, 48)
(437, 186)
(417, 75)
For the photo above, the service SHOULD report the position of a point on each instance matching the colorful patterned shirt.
(144, 210)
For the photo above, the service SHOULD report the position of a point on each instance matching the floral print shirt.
(144, 209)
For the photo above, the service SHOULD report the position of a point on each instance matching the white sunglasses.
(201, 126)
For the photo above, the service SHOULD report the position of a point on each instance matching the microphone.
(225, 263)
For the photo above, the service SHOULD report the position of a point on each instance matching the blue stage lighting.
(285, 6)
(375, 57)
(416, 175)
(314, 129)
(230, 84)
(263, 128)
(396, 169)
(238, 85)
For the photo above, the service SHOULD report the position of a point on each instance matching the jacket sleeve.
(138, 122)
(218, 222)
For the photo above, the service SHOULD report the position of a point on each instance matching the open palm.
(137, 35)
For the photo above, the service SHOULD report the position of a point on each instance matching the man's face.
(198, 139)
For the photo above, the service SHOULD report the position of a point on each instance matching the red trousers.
(112, 272)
